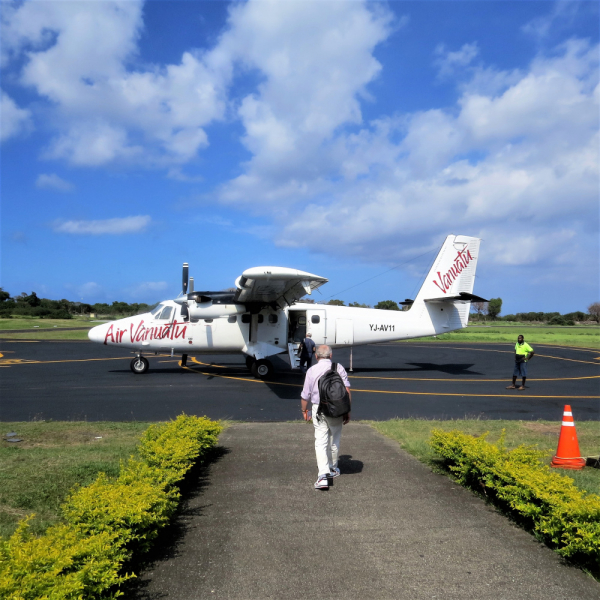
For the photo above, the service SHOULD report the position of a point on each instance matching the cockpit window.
(156, 309)
(166, 313)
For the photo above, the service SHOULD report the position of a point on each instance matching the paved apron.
(388, 528)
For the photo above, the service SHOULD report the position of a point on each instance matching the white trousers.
(328, 432)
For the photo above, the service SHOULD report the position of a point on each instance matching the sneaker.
(334, 472)
(322, 483)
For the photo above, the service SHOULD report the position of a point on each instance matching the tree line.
(482, 311)
(31, 305)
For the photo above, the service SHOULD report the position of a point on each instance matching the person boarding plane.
(264, 316)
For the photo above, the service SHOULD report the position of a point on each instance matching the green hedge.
(106, 521)
(565, 517)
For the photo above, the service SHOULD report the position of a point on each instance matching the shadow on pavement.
(348, 466)
(166, 545)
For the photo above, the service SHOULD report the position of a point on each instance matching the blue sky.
(342, 138)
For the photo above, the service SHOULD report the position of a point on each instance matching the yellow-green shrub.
(64, 564)
(172, 447)
(106, 520)
(567, 518)
(135, 511)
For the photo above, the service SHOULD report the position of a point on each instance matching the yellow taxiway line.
(586, 362)
(9, 362)
(455, 380)
(384, 391)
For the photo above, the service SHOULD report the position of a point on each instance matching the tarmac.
(79, 380)
(253, 527)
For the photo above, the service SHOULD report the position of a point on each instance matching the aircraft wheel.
(262, 369)
(250, 360)
(139, 365)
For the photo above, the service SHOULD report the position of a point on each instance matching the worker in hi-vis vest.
(523, 353)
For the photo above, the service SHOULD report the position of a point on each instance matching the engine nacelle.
(210, 310)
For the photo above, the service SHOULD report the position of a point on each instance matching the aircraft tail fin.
(452, 275)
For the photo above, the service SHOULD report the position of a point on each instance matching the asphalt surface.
(80, 380)
(254, 528)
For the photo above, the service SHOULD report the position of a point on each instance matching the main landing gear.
(139, 365)
(261, 369)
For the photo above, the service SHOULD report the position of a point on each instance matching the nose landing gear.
(139, 365)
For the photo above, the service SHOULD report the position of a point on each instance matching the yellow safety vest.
(523, 348)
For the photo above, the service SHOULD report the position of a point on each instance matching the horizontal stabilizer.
(462, 296)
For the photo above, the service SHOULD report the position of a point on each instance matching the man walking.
(328, 430)
(523, 352)
(306, 352)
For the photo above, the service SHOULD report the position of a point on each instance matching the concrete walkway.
(389, 528)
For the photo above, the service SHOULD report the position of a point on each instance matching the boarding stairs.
(294, 352)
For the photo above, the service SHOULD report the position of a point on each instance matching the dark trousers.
(305, 360)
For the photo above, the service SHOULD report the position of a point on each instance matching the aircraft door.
(272, 328)
(316, 324)
(344, 332)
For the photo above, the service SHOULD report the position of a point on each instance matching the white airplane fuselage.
(264, 317)
(269, 332)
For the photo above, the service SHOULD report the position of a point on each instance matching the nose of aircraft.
(97, 334)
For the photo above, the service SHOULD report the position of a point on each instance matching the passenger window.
(272, 318)
(315, 319)
(301, 320)
(232, 319)
(261, 318)
(246, 318)
(166, 313)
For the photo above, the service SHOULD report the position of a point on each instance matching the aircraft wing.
(267, 285)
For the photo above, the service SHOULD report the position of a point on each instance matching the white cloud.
(51, 181)
(449, 62)
(147, 289)
(13, 120)
(117, 226)
(515, 155)
(507, 166)
(87, 292)
(563, 11)
(316, 60)
(78, 55)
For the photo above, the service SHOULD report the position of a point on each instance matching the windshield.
(166, 313)
(156, 309)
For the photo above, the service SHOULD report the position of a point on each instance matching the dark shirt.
(308, 348)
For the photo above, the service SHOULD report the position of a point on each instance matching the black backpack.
(333, 395)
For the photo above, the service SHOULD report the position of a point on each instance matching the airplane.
(263, 316)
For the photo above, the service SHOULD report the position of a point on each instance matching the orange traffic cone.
(568, 455)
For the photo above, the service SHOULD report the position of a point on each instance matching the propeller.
(186, 270)
(185, 313)
(191, 284)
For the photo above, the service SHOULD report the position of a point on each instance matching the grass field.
(36, 323)
(37, 473)
(47, 334)
(413, 434)
(46, 329)
(583, 337)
